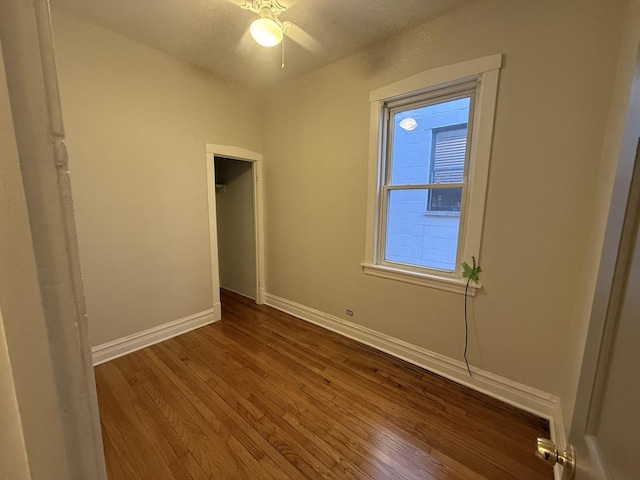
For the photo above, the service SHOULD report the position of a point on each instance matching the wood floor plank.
(263, 395)
(352, 391)
(222, 388)
(185, 467)
(274, 392)
(271, 396)
(208, 441)
(112, 459)
(207, 402)
(400, 398)
(127, 430)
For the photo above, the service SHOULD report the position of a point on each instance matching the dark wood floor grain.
(262, 395)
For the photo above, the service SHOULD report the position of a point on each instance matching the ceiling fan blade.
(303, 38)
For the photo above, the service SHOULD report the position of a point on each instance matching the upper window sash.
(390, 108)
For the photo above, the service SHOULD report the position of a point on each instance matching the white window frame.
(485, 71)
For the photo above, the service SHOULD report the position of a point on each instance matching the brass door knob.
(547, 451)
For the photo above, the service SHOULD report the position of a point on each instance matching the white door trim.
(237, 153)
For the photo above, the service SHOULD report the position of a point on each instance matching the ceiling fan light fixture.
(266, 31)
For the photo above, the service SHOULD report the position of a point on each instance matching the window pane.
(444, 200)
(429, 143)
(415, 237)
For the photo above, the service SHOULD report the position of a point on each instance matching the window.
(429, 158)
(424, 183)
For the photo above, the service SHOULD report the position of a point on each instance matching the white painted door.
(616, 428)
(606, 424)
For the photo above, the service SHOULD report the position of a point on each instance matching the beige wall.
(13, 461)
(137, 122)
(553, 102)
(608, 212)
(236, 233)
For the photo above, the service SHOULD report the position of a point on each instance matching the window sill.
(455, 285)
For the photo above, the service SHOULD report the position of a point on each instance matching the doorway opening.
(236, 221)
(236, 233)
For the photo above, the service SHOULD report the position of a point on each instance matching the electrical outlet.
(350, 312)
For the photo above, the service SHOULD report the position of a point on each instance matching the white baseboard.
(527, 398)
(122, 346)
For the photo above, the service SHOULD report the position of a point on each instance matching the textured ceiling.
(213, 34)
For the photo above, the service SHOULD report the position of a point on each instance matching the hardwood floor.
(262, 395)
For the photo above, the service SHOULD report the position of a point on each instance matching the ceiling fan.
(268, 30)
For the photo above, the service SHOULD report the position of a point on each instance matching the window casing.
(447, 180)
